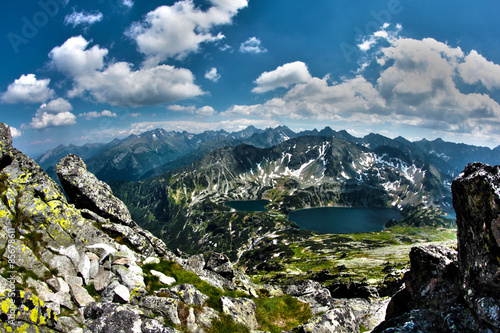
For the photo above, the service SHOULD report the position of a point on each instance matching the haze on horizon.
(91, 71)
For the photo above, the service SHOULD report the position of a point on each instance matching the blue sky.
(87, 71)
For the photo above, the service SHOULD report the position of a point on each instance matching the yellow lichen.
(7, 305)
(34, 315)
(23, 329)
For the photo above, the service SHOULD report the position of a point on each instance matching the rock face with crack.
(457, 291)
(86, 191)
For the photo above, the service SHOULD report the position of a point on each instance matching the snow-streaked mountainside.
(244, 172)
(155, 152)
(185, 207)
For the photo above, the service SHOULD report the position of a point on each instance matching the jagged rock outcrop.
(457, 291)
(86, 191)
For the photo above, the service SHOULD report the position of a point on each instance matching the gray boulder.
(340, 320)
(86, 191)
(241, 310)
(80, 295)
(219, 263)
(164, 306)
(114, 318)
(189, 294)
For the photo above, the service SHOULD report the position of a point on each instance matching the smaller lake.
(343, 220)
(249, 205)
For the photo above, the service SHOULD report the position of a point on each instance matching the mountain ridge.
(141, 156)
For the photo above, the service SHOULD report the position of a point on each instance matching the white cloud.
(118, 83)
(421, 82)
(44, 120)
(212, 75)
(53, 114)
(73, 59)
(252, 45)
(206, 111)
(27, 89)
(178, 30)
(203, 111)
(181, 108)
(56, 106)
(15, 132)
(128, 3)
(282, 77)
(387, 32)
(84, 18)
(94, 114)
(476, 69)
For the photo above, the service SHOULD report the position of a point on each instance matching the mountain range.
(155, 152)
(185, 207)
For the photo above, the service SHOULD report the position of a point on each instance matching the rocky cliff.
(456, 291)
(83, 265)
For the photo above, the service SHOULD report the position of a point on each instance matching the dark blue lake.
(341, 220)
(249, 205)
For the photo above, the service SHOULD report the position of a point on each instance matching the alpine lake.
(329, 220)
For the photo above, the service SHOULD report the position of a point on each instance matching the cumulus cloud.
(83, 18)
(56, 106)
(203, 111)
(53, 114)
(178, 30)
(252, 45)
(282, 77)
(476, 69)
(15, 132)
(74, 59)
(27, 89)
(206, 111)
(212, 75)
(118, 83)
(420, 81)
(94, 114)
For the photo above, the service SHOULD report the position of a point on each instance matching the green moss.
(226, 325)
(281, 313)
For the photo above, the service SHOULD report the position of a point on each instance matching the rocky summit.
(75, 261)
(456, 291)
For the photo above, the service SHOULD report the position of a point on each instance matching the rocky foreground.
(84, 265)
